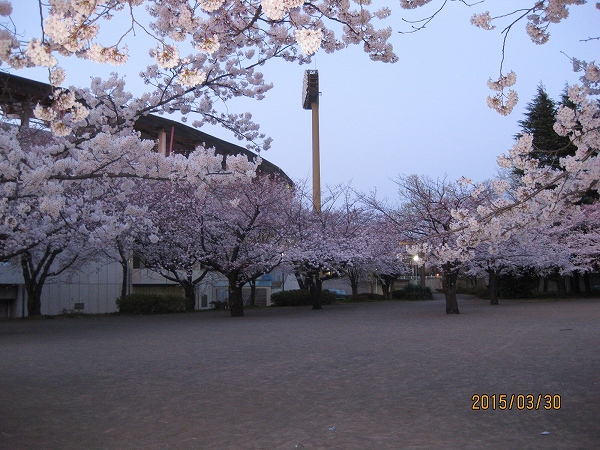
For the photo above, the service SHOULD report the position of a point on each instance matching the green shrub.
(298, 297)
(367, 297)
(150, 304)
(413, 292)
(295, 297)
(328, 297)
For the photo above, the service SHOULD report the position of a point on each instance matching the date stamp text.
(484, 402)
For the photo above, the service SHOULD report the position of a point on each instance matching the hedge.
(298, 297)
(150, 304)
(413, 292)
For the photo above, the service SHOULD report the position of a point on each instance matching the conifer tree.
(539, 121)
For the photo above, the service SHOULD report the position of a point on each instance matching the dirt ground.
(389, 375)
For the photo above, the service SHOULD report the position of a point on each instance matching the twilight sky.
(425, 114)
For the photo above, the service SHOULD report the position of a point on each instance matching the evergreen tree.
(539, 120)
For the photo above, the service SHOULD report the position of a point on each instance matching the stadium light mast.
(310, 100)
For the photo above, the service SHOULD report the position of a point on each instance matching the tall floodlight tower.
(310, 100)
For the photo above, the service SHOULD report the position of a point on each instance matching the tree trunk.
(385, 289)
(34, 277)
(190, 295)
(561, 288)
(422, 276)
(34, 299)
(236, 301)
(493, 286)
(575, 282)
(449, 277)
(303, 283)
(353, 277)
(587, 283)
(124, 269)
(316, 285)
(253, 292)
(387, 283)
(125, 278)
(354, 287)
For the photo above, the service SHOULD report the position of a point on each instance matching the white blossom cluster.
(191, 77)
(538, 34)
(64, 107)
(545, 13)
(167, 57)
(412, 4)
(211, 5)
(539, 17)
(309, 40)
(40, 54)
(277, 9)
(209, 45)
(57, 76)
(504, 81)
(107, 55)
(482, 20)
(501, 102)
(592, 72)
(72, 34)
(5, 8)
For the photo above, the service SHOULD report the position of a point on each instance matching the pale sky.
(426, 114)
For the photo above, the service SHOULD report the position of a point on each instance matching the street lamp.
(310, 100)
(416, 266)
(416, 260)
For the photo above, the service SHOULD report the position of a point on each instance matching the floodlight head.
(310, 88)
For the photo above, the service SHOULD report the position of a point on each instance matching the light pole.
(419, 274)
(416, 266)
(310, 100)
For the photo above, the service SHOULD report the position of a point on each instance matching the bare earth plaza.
(380, 375)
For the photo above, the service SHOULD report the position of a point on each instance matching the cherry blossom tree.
(543, 192)
(226, 42)
(389, 258)
(568, 245)
(57, 245)
(377, 253)
(49, 259)
(242, 231)
(112, 222)
(328, 243)
(425, 217)
(173, 248)
(583, 238)
(50, 182)
(535, 248)
(35, 176)
(356, 226)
